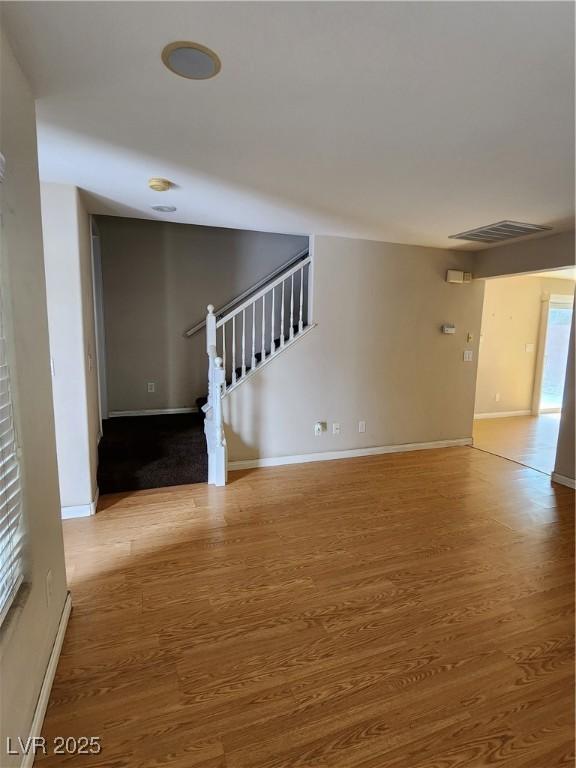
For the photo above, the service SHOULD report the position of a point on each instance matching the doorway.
(522, 366)
(555, 338)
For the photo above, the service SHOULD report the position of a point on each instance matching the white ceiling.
(404, 122)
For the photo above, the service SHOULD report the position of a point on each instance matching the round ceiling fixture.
(159, 185)
(191, 60)
(164, 208)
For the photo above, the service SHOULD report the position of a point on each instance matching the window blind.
(11, 538)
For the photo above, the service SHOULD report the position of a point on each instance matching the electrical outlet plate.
(468, 356)
(335, 428)
(151, 386)
(361, 426)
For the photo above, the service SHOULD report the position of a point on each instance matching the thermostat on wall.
(448, 329)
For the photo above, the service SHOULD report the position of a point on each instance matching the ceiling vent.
(502, 230)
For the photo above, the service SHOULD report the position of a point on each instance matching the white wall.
(377, 355)
(510, 322)
(27, 637)
(68, 266)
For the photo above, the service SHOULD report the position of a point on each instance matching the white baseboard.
(563, 480)
(42, 703)
(152, 412)
(81, 510)
(304, 458)
(501, 414)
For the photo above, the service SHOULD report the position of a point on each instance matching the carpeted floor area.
(139, 452)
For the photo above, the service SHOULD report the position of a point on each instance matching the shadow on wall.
(244, 432)
(158, 278)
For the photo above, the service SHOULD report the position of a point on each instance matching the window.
(11, 555)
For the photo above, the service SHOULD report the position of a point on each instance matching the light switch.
(468, 356)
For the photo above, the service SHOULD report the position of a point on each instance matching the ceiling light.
(191, 60)
(159, 185)
(164, 208)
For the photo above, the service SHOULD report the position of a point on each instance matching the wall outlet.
(468, 356)
(361, 426)
(497, 397)
(335, 428)
(319, 427)
(530, 347)
(49, 587)
(151, 386)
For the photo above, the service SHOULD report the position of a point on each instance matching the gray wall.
(526, 256)
(68, 266)
(158, 278)
(26, 638)
(377, 355)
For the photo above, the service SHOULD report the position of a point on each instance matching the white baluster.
(300, 320)
(282, 336)
(224, 353)
(243, 342)
(272, 334)
(253, 358)
(292, 306)
(233, 349)
(263, 348)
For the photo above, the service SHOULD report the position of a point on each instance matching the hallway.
(529, 440)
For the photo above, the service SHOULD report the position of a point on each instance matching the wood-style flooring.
(529, 440)
(401, 611)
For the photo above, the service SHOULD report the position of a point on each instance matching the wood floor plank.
(399, 611)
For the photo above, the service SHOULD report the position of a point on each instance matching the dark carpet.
(138, 452)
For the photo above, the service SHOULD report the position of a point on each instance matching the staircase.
(245, 338)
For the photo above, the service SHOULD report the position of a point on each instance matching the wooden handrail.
(268, 287)
(300, 257)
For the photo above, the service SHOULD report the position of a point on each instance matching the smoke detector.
(502, 230)
(191, 60)
(160, 185)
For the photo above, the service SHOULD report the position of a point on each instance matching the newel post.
(210, 328)
(220, 468)
(213, 422)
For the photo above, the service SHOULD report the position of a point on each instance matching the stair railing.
(250, 291)
(260, 327)
(244, 340)
(213, 421)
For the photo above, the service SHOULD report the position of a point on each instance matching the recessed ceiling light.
(191, 60)
(164, 208)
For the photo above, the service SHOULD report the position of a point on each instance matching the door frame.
(547, 301)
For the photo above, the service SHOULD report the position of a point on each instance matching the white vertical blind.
(11, 540)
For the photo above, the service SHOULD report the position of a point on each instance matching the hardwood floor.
(529, 440)
(401, 611)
